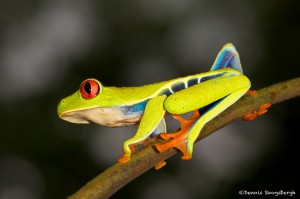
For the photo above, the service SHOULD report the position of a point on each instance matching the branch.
(118, 175)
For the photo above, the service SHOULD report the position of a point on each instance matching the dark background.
(49, 47)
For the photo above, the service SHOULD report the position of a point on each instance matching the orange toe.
(251, 92)
(124, 158)
(160, 165)
(249, 116)
(186, 157)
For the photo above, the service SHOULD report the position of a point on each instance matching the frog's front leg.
(227, 91)
(151, 120)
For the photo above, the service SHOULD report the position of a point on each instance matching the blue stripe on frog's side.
(180, 85)
(203, 79)
(136, 109)
(193, 82)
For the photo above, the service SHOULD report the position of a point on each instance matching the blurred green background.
(49, 47)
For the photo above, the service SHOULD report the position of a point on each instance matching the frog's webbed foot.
(252, 115)
(179, 138)
(178, 142)
(261, 110)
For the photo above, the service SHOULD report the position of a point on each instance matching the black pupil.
(88, 88)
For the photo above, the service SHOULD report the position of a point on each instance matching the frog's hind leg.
(184, 139)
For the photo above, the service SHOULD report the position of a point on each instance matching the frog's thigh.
(205, 93)
(213, 112)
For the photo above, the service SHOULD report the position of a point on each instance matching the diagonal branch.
(118, 175)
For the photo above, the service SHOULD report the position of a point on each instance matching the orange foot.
(179, 138)
(262, 110)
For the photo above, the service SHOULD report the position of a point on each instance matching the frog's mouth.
(111, 116)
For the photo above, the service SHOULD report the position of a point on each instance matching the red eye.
(89, 89)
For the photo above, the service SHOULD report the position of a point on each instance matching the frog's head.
(91, 103)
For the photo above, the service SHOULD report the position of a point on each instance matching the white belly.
(112, 117)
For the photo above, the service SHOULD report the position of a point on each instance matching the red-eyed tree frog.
(206, 94)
